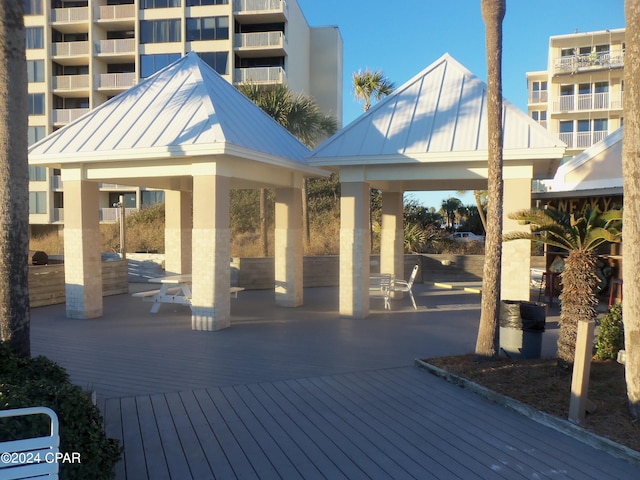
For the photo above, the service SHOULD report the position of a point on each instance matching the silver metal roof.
(439, 114)
(186, 109)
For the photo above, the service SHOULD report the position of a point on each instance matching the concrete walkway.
(302, 393)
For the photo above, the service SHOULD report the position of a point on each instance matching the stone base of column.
(205, 319)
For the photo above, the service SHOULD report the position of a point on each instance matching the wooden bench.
(31, 457)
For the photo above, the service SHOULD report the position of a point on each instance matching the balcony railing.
(582, 140)
(260, 75)
(587, 101)
(70, 82)
(114, 12)
(69, 49)
(69, 15)
(58, 215)
(591, 61)
(115, 80)
(258, 5)
(260, 40)
(540, 96)
(115, 47)
(67, 115)
(110, 215)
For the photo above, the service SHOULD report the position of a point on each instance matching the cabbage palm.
(368, 85)
(14, 181)
(580, 235)
(301, 116)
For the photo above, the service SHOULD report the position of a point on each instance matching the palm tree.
(487, 343)
(580, 235)
(479, 195)
(368, 85)
(449, 208)
(302, 117)
(14, 182)
(631, 216)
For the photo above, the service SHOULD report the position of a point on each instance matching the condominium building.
(579, 96)
(81, 53)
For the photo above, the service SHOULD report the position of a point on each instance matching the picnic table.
(173, 289)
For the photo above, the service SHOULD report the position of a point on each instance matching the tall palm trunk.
(493, 12)
(579, 301)
(631, 212)
(14, 181)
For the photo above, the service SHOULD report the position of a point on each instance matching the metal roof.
(439, 115)
(185, 109)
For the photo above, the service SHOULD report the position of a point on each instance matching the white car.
(467, 237)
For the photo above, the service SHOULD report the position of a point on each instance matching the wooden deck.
(301, 393)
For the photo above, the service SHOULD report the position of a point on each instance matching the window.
(160, 3)
(583, 125)
(36, 104)
(35, 37)
(602, 48)
(35, 71)
(37, 202)
(150, 64)
(151, 197)
(600, 125)
(567, 52)
(566, 90)
(207, 28)
(566, 126)
(198, 3)
(37, 174)
(584, 88)
(33, 7)
(601, 87)
(216, 60)
(159, 31)
(35, 134)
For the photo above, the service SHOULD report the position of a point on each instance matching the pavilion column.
(355, 249)
(288, 247)
(392, 236)
(82, 258)
(516, 255)
(211, 303)
(177, 232)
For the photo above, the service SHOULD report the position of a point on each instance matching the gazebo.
(187, 131)
(430, 134)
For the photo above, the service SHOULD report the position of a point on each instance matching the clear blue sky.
(403, 37)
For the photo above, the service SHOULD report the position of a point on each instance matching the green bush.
(31, 382)
(611, 334)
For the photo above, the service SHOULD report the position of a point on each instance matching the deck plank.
(155, 456)
(135, 464)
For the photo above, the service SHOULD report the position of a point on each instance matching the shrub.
(30, 382)
(611, 334)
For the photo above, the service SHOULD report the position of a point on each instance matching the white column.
(82, 259)
(392, 236)
(355, 249)
(210, 303)
(516, 255)
(288, 247)
(177, 231)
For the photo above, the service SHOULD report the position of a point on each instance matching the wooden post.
(123, 242)
(581, 371)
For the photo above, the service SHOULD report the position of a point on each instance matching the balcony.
(120, 14)
(588, 62)
(69, 83)
(118, 47)
(260, 75)
(582, 140)
(70, 20)
(260, 41)
(62, 116)
(540, 96)
(587, 101)
(70, 53)
(260, 11)
(112, 215)
(115, 81)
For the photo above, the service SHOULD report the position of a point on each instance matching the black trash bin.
(521, 327)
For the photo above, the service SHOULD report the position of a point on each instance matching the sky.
(403, 37)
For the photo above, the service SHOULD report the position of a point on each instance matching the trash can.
(521, 327)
